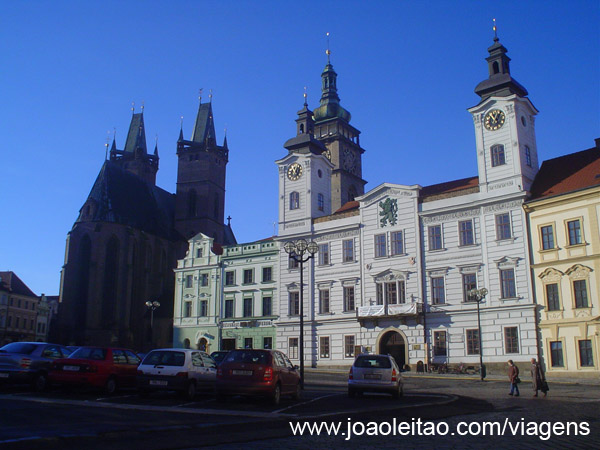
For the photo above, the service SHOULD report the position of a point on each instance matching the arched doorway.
(203, 345)
(392, 343)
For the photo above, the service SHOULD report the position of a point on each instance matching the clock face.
(494, 119)
(294, 171)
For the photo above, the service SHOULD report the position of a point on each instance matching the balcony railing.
(402, 309)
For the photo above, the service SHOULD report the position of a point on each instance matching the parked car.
(219, 356)
(174, 369)
(107, 368)
(375, 373)
(266, 373)
(29, 362)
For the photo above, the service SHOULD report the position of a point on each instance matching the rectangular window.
(248, 307)
(438, 295)
(503, 226)
(349, 346)
(380, 246)
(229, 308)
(323, 301)
(511, 339)
(349, 298)
(321, 202)
(507, 283)
(267, 342)
(556, 354)
(552, 299)
(204, 279)
(324, 254)
(527, 156)
(203, 308)
(293, 348)
(248, 342)
(498, 158)
(574, 227)
(586, 357)
(267, 274)
(465, 229)
(472, 342)
(230, 278)
(469, 282)
(435, 237)
(439, 343)
(188, 281)
(547, 237)
(199, 253)
(348, 250)
(187, 309)
(581, 297)
(391, 293)
(292, 262)
(248, 276)
(396, 243)
(294, 200)
(267, 306)
(324, 346)
(294, 306)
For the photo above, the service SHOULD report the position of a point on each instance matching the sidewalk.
(475, 377)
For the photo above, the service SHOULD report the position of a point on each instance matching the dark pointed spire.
(204, 129)
(136, 137)
(156, 147)
(500, 83)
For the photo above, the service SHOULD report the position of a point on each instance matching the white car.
(177, 369)
(375, 373)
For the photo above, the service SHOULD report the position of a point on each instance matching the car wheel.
(297, 393)
(40, 382)
(276, 395)
(111, 386)
(396, 392)
(190, 391)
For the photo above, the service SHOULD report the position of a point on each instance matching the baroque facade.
(395, 264)
(564, 220)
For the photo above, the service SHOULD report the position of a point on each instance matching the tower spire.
(328, 51)
(495, 32)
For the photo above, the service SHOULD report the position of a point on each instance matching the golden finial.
(328, 51)
(495, 31)
(305, 96)
(133, 107)
(106, 145)
(210, 95)
(200, 95)
(142, 106)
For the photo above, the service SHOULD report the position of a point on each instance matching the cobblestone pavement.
(564, 403)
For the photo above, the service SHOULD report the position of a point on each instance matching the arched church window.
(192, 201)
(294, 200)
(301, 128)
(110, 282)
(495, 67)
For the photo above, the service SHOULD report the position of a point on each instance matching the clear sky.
(406, 72)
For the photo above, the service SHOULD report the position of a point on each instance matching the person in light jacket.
(513, 374)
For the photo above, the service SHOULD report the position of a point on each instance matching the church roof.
(568, 173)
(9, 281)
(136, 137)
(204, 129)
(122, 197)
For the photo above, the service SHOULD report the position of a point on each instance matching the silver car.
(177, 369)
(375, 373)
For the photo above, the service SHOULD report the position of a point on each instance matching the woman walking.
(513, 376)
(537, 378)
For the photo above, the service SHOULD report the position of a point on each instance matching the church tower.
(135, 158)
(200, 196)
(332, 127)
(304, 178)
(504, 123)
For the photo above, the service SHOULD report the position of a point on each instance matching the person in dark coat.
(537, 378)
(513, 374)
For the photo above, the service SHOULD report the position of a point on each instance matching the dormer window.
(199, 253)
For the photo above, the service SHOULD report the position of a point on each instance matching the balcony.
(247, 323)
(402, 310)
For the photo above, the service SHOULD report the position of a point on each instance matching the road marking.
(304, 403)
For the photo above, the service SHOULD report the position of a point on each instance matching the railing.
(247, 323)
(402, 309)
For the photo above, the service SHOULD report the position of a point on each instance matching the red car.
(107, 368)
(265, 373)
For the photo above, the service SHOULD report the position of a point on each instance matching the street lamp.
(297, 250)
(152, 306)
(478, 295)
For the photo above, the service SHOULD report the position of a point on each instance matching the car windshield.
(218, 356)
(97, 354)
(248, 356)
(164, 358)
(373, 362)
(24, 348)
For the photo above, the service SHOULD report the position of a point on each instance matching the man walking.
(513, 375)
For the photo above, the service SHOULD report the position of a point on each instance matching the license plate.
(242, 372)
(372, 376)
(71, 368)
(3, 375)
(158, 383)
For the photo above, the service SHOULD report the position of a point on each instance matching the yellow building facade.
(564, 226)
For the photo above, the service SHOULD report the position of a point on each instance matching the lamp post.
(297, 250)
(152, 306)
(478, 295)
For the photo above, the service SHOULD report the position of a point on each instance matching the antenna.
(328, 51)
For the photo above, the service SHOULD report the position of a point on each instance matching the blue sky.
(406, 72)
